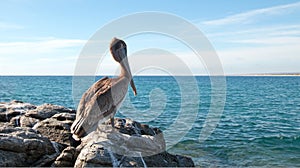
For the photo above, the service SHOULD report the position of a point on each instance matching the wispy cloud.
(270, 41)
(9, 26)
(39, 46)
(247, 16)
(257, 47)
(275, 35)
(293, 29)
(47, 56)
(261, 59)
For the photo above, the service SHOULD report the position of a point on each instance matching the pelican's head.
(118, 50)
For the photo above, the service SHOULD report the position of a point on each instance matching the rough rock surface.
(56, 128)
(39, 136)
(67, 158)
(27, 121)
(129, 144)
(48, 110)
(23, 147)
(13, 109)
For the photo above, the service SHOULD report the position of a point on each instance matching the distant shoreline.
(268, 74)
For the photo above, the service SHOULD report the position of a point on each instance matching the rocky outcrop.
(13, 109)
(57, 127)
(40, 136)
(129, 144)
(47, 110)
(24, 147)
(67, 158)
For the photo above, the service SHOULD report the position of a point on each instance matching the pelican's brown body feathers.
(99, 103)
(102, 100)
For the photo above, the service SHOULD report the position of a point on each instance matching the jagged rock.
(15, 121)
(45, 161)
(5, 124)
(35, 136)
(2, 108)
(130, 127)
(65, 116)
(57, 128)
(130, 144)
(94, 156)
(67, 158)
(184, 161)
(166, 159)
(23, 147)
(28, 121)
(13, 109)
(128, 138)
(47, 110)
(7, 115)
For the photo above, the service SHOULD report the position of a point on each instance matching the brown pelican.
(102, 100)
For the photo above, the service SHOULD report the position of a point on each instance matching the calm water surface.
(260, 125)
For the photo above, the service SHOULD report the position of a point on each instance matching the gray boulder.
(47, 110)
(129, 144)
(56, 128)
(27, 121)
(67, 157)
(13, 109)
(40, 136)
(24, 147)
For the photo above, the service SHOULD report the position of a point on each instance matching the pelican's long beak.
(133, 86)
(130, 76)
(131, 81)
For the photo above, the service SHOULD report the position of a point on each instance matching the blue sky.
(46, 37)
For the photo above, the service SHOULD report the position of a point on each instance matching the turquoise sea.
(260, 124)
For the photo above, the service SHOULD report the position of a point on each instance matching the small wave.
(275, 139)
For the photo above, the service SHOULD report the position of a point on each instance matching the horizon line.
(246, 74)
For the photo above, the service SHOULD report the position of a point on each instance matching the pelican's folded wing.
(94, 103)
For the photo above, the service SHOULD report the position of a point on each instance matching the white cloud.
(49, 56)
(293, 29)
(9, 26)
(247, 60)
(246, 16)
(270, 41)
(40, 46)
(263, 36)
(265, 49)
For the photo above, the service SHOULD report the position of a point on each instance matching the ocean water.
(260, 124)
